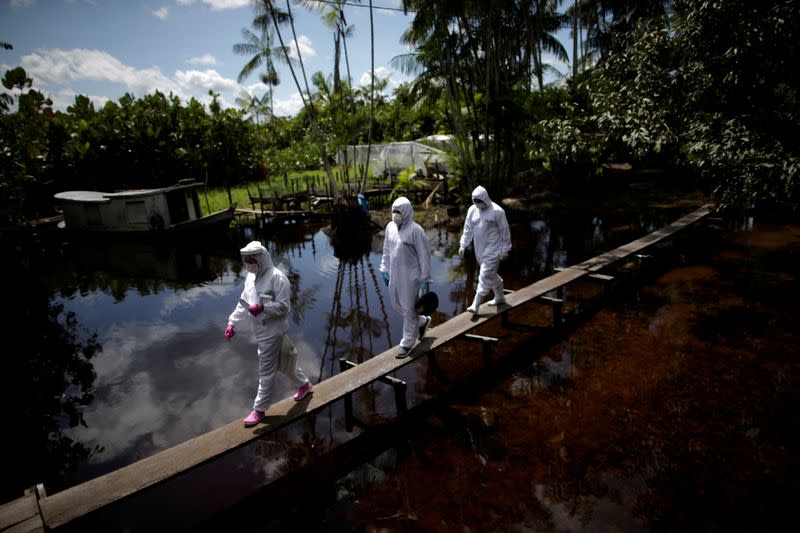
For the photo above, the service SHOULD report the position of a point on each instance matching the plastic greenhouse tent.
(394, 157)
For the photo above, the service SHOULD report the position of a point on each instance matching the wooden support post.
(504, 319)
(398, 386)
(23, 514)
(433, 364)
(556, 304)
(486, 342)
(349, 419)
(504, 316)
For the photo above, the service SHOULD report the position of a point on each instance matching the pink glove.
(255, 309)
(229, 333)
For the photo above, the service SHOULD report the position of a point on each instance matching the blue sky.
(105, 48)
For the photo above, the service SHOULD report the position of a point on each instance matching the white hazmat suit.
(486, 227)
(407, 261)
(268, 285)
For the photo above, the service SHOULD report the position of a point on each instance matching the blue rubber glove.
(385, 276)
(424, 287)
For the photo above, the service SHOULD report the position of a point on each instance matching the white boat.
(167, 210)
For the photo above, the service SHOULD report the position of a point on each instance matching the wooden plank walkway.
(22, 515)
(67, 505)
(602, 261)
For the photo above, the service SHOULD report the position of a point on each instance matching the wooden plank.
(21, 514)
(602, 261)
(64, 506)
(551, 300)
(481, 338)
(593, 275)
(31, 525)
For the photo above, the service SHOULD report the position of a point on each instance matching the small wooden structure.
(141, 211)
(63, 507)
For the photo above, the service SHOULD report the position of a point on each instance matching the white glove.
(461, 252)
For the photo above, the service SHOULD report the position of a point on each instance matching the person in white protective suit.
(486, 227)
(406, 270)
(265, 304)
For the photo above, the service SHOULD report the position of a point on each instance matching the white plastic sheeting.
(393, 157)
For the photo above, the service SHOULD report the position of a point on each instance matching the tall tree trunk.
(575, 9)
(337, 82)
(316, 134)
(371, 97)
(342, 31)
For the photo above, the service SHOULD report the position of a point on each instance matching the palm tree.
(263, 53)
(266, 14)
(333, 17)
(249, 104)
(543, 24)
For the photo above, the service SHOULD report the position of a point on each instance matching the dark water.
(669, 407)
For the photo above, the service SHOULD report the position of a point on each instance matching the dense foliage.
(705, 88)
(713, 95)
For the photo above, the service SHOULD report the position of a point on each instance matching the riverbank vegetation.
(703, 90)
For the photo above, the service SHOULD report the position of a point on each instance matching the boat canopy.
(97, 197)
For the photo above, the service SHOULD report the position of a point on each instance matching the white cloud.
(193, 80)
(304, 43)
(66, 97)
(381, 73)
(64, 66)
(218, 5)
(187, 298)
(59, 71)
(161, 13)
(205, 59)
(21, 3)
(289, 106)
(255, 89)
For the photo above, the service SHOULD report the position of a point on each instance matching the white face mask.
(397, 218)
(251, 267)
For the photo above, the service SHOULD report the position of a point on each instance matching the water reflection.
(166, 374)
(49, 378)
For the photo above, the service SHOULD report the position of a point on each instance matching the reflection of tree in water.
(300, 300)
(116, 268)
(49, 379)
(350, 309)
